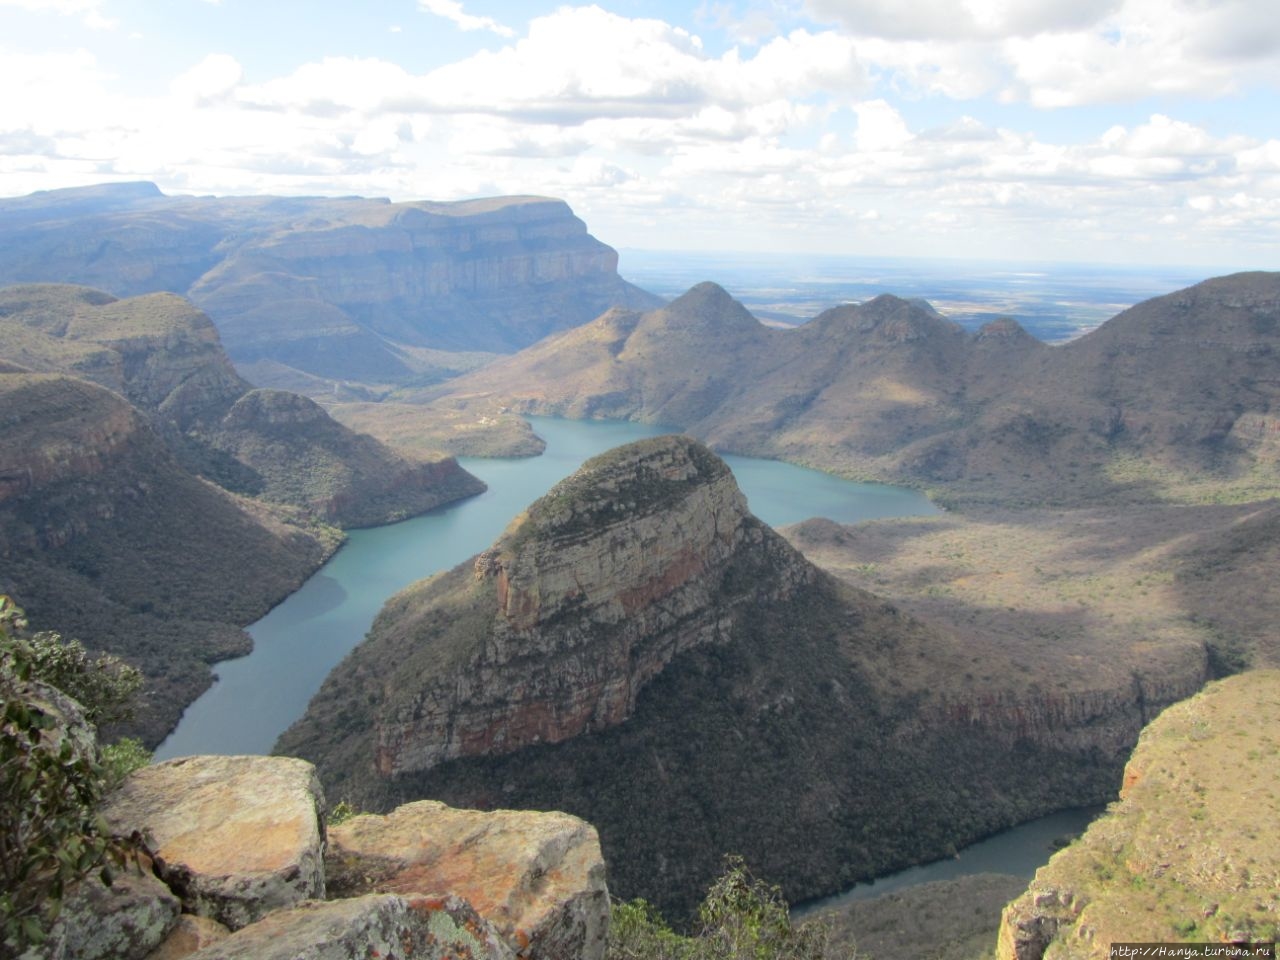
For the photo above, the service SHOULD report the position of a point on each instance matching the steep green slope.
(1190, 852)
(105, 537)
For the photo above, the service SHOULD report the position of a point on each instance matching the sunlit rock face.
(586, 598)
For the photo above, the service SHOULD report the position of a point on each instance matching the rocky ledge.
(241, 867)
(1190, 851)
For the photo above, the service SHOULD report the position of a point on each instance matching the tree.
(742, 918)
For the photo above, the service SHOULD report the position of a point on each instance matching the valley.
(637, 645)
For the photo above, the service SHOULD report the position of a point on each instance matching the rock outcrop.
(638, 650)
(591, 595)
(538, 877)
(236, 836)
(340, 290)
(1189, 853)
(239, 845)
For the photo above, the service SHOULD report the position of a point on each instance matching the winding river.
(301, 640)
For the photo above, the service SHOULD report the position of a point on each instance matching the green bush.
(51, 834)
(105, 686)
(742, 918)
(121, 758)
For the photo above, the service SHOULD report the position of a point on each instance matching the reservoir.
(301, 640)
(296, 645)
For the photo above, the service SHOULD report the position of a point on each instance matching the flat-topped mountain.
(321, 291)
(1184, 386)
(164, 356)
(640, 650)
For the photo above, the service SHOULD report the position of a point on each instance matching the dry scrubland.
(1025, 589)
(1190, 852)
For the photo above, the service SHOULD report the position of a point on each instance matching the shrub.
(51, 782)
(742, 918)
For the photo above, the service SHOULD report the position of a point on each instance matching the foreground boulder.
(125, 921)
(234, 837)
(379, 925)
(538, 877)
(239, 848)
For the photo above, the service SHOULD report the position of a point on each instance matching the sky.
(1135, 131)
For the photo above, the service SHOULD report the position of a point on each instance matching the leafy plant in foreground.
(742, 918)
(51, 784)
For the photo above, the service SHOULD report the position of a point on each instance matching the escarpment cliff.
(638, 649)
(328, 291)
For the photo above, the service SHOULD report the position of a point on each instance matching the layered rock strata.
(1188, 854)
(338, 290)
(584, 600)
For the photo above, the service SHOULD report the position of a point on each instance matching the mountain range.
(1182, 386)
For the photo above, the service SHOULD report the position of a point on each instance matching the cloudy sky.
(1137, 130)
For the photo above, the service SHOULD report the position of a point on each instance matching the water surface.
(296, 645)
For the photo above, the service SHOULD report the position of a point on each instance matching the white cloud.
(806, 137)
(583, 63)
(1056, 53)
(452, 10)
(880, 128)
(952, 19)
(214, 77)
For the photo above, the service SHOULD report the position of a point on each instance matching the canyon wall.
(638, 650)
(320, 293)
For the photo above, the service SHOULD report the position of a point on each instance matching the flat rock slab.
(386, 926)
(539, 878)
(234, 837)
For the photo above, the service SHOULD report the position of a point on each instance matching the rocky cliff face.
(639, 650)
(346, 289)
(1188, 854)
(590, 595)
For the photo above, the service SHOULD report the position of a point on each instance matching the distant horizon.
(1036, 129)
(1125, 265)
